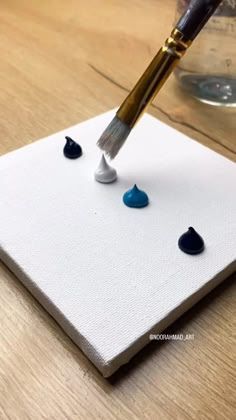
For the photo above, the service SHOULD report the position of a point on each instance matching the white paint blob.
(105, 173)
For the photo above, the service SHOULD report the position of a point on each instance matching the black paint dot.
(191, 242)
(72, 150)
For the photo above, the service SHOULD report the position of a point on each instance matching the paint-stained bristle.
(114, 137)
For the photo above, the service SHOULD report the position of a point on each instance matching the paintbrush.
(144, 92)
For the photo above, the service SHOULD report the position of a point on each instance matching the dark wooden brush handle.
(196, 16)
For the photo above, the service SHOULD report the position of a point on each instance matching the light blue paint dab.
(135, 198)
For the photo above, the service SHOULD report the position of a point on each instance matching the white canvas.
(111, 275)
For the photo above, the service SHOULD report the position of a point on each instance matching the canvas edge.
(171, 317)
(81, 342)
(108, 368)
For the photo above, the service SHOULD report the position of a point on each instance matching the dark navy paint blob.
(72, 150)
(135, 198)
(191, 242)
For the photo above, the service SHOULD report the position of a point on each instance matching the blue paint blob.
(135, 198)
(191, 242)
(72, 150)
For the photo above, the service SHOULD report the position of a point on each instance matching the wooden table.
(63, 61)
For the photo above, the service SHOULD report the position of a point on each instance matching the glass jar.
(208, 70)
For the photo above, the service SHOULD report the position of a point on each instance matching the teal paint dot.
(135, 198)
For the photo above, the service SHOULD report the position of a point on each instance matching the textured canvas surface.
(111, 275)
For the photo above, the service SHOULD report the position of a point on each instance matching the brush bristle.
(114, 137)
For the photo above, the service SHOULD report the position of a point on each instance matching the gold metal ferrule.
(153, 78)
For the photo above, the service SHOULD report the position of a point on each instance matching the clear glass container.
(208, 70)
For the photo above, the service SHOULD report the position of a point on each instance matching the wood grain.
(63, 62)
